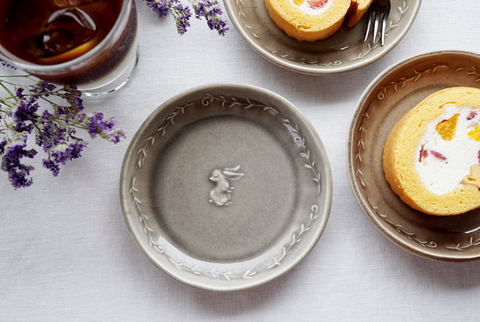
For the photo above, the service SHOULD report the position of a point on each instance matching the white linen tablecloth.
(66, 254)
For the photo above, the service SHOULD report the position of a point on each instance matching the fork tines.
(378, 12)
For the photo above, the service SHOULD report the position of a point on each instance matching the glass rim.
(26, 65)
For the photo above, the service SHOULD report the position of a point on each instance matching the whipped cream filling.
(443, 164)
(314, 7)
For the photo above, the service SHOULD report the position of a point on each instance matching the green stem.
(10, 83)
(6, 102)
(8, 90)
(6, 130)
(39, 131)
(35, 94)
(16, 76)
(48, 101)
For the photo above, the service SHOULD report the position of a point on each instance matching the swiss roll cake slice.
(356, 11)
(431, 158)
(308, 20)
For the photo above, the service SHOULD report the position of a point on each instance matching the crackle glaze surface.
(226, 187)
(342, 52)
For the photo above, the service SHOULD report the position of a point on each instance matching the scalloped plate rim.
(302, 252)
(319, 71)
(355, 187)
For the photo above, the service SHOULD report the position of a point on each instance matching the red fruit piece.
(438, 155)
(316, 3)
(424, 154)
(471, 115)
(478, 156)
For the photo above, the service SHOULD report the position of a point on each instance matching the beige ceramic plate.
(226, 187)
(385, 101)
(342, 52)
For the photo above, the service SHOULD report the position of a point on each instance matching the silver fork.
(378, 11)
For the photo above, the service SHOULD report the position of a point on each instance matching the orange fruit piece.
(298, 2)
(447, 128)
(475, 133)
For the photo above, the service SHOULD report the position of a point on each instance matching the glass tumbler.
(103, 69)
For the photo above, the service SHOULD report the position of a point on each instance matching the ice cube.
(66, 30)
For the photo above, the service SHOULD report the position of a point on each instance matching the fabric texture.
(66, 254)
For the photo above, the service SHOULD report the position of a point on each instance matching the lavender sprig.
(3, 63)
(52, 115)
(182, 16)
(211, 11)
(208, 9)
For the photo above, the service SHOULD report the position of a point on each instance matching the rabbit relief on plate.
(221, 193)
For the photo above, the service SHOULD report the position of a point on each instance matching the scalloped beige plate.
(226, 187)
(392, 94)
(342, 52)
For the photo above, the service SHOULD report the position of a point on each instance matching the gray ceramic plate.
(385, 101)
(344, 51)
(226, 187)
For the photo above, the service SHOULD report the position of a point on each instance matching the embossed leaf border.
(381, 94)
(226, 102)
(392, 24)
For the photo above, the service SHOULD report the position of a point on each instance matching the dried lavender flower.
(208, 9)
(182, 16)
(211, 11)
(3, 63)
(53, 115)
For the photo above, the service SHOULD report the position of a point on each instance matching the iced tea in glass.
(90, 43)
